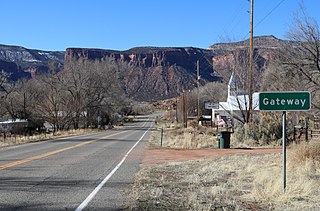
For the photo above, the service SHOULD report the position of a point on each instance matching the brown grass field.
(225, 179)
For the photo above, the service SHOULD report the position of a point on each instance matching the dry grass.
(209, 184)
(190, 138)
(232, 182)
(306, 152)
(20, 139)
(196, 137)
(303, 180)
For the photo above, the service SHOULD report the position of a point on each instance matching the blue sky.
(123, 24)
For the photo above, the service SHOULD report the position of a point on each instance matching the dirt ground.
(154, 156)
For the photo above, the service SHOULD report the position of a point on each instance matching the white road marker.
(97, 189)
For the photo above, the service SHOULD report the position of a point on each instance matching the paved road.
(87, 172)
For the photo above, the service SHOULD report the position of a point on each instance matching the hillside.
(152, 73)
(155, 73)
(21, 62)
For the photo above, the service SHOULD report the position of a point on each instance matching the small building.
(14, 126)
(236, 102)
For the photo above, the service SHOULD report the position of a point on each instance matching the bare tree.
(52, 102)
(235, 63)
(213, 92)
(4, 82)
(302, 57)
(94, 88)
(279, 78)
(17, 101)
(5, 88)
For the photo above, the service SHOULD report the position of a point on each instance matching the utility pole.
(24, 106)
(250, 75)
(177, 119)
(198, 95)
(184, 110)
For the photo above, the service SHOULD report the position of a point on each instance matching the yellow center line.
(9, 165)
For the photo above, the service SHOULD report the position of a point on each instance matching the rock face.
(161, 73)
(150, 73)
(266, 50)
(155, 73)
(25, 63)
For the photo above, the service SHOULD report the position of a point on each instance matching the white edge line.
(97, 189)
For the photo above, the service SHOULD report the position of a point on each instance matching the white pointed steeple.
(232, 86)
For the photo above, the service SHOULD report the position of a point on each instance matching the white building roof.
(239, 102)
(236, 100)
(11, 121)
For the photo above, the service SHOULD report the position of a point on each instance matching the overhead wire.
(237, 12)
(235, 16)
(265, 17)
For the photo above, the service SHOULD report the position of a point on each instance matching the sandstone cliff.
(160, 73)
(155, 73)
(151, 73)
(228, 55)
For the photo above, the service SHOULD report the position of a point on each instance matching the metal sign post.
(284, 151)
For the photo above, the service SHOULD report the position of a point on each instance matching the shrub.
(306, 152)
(268, 129)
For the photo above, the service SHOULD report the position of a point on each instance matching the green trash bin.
(223, 139)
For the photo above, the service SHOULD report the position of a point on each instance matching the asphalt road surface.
(87, 172)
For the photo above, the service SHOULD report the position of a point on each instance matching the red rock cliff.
(156, 73)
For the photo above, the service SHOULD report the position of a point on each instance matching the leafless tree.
(18, 100)
(279, 78)
(236, 62)
(214, 92)
(5, 89)
(94, 88)
(4, 82)
(302, 56)
(52, 102)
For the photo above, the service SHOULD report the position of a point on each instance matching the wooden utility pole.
(250, 75)
(184, 110)
(24, 106)
(198, 94)
(177, 119)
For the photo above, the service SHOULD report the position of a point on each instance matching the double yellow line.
(9, 165)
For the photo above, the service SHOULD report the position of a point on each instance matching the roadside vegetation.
(173, 135)
(232, 182)
(86, 94)
(15, 139)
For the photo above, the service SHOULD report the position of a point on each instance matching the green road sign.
(284, 101)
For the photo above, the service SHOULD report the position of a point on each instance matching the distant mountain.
(21, 62)
(266, 50)
(155, 72)
(258, 42)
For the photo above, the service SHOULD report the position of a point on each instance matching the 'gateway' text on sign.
(284, 101)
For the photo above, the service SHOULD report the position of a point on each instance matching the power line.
(265, 17)
(237, 12)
